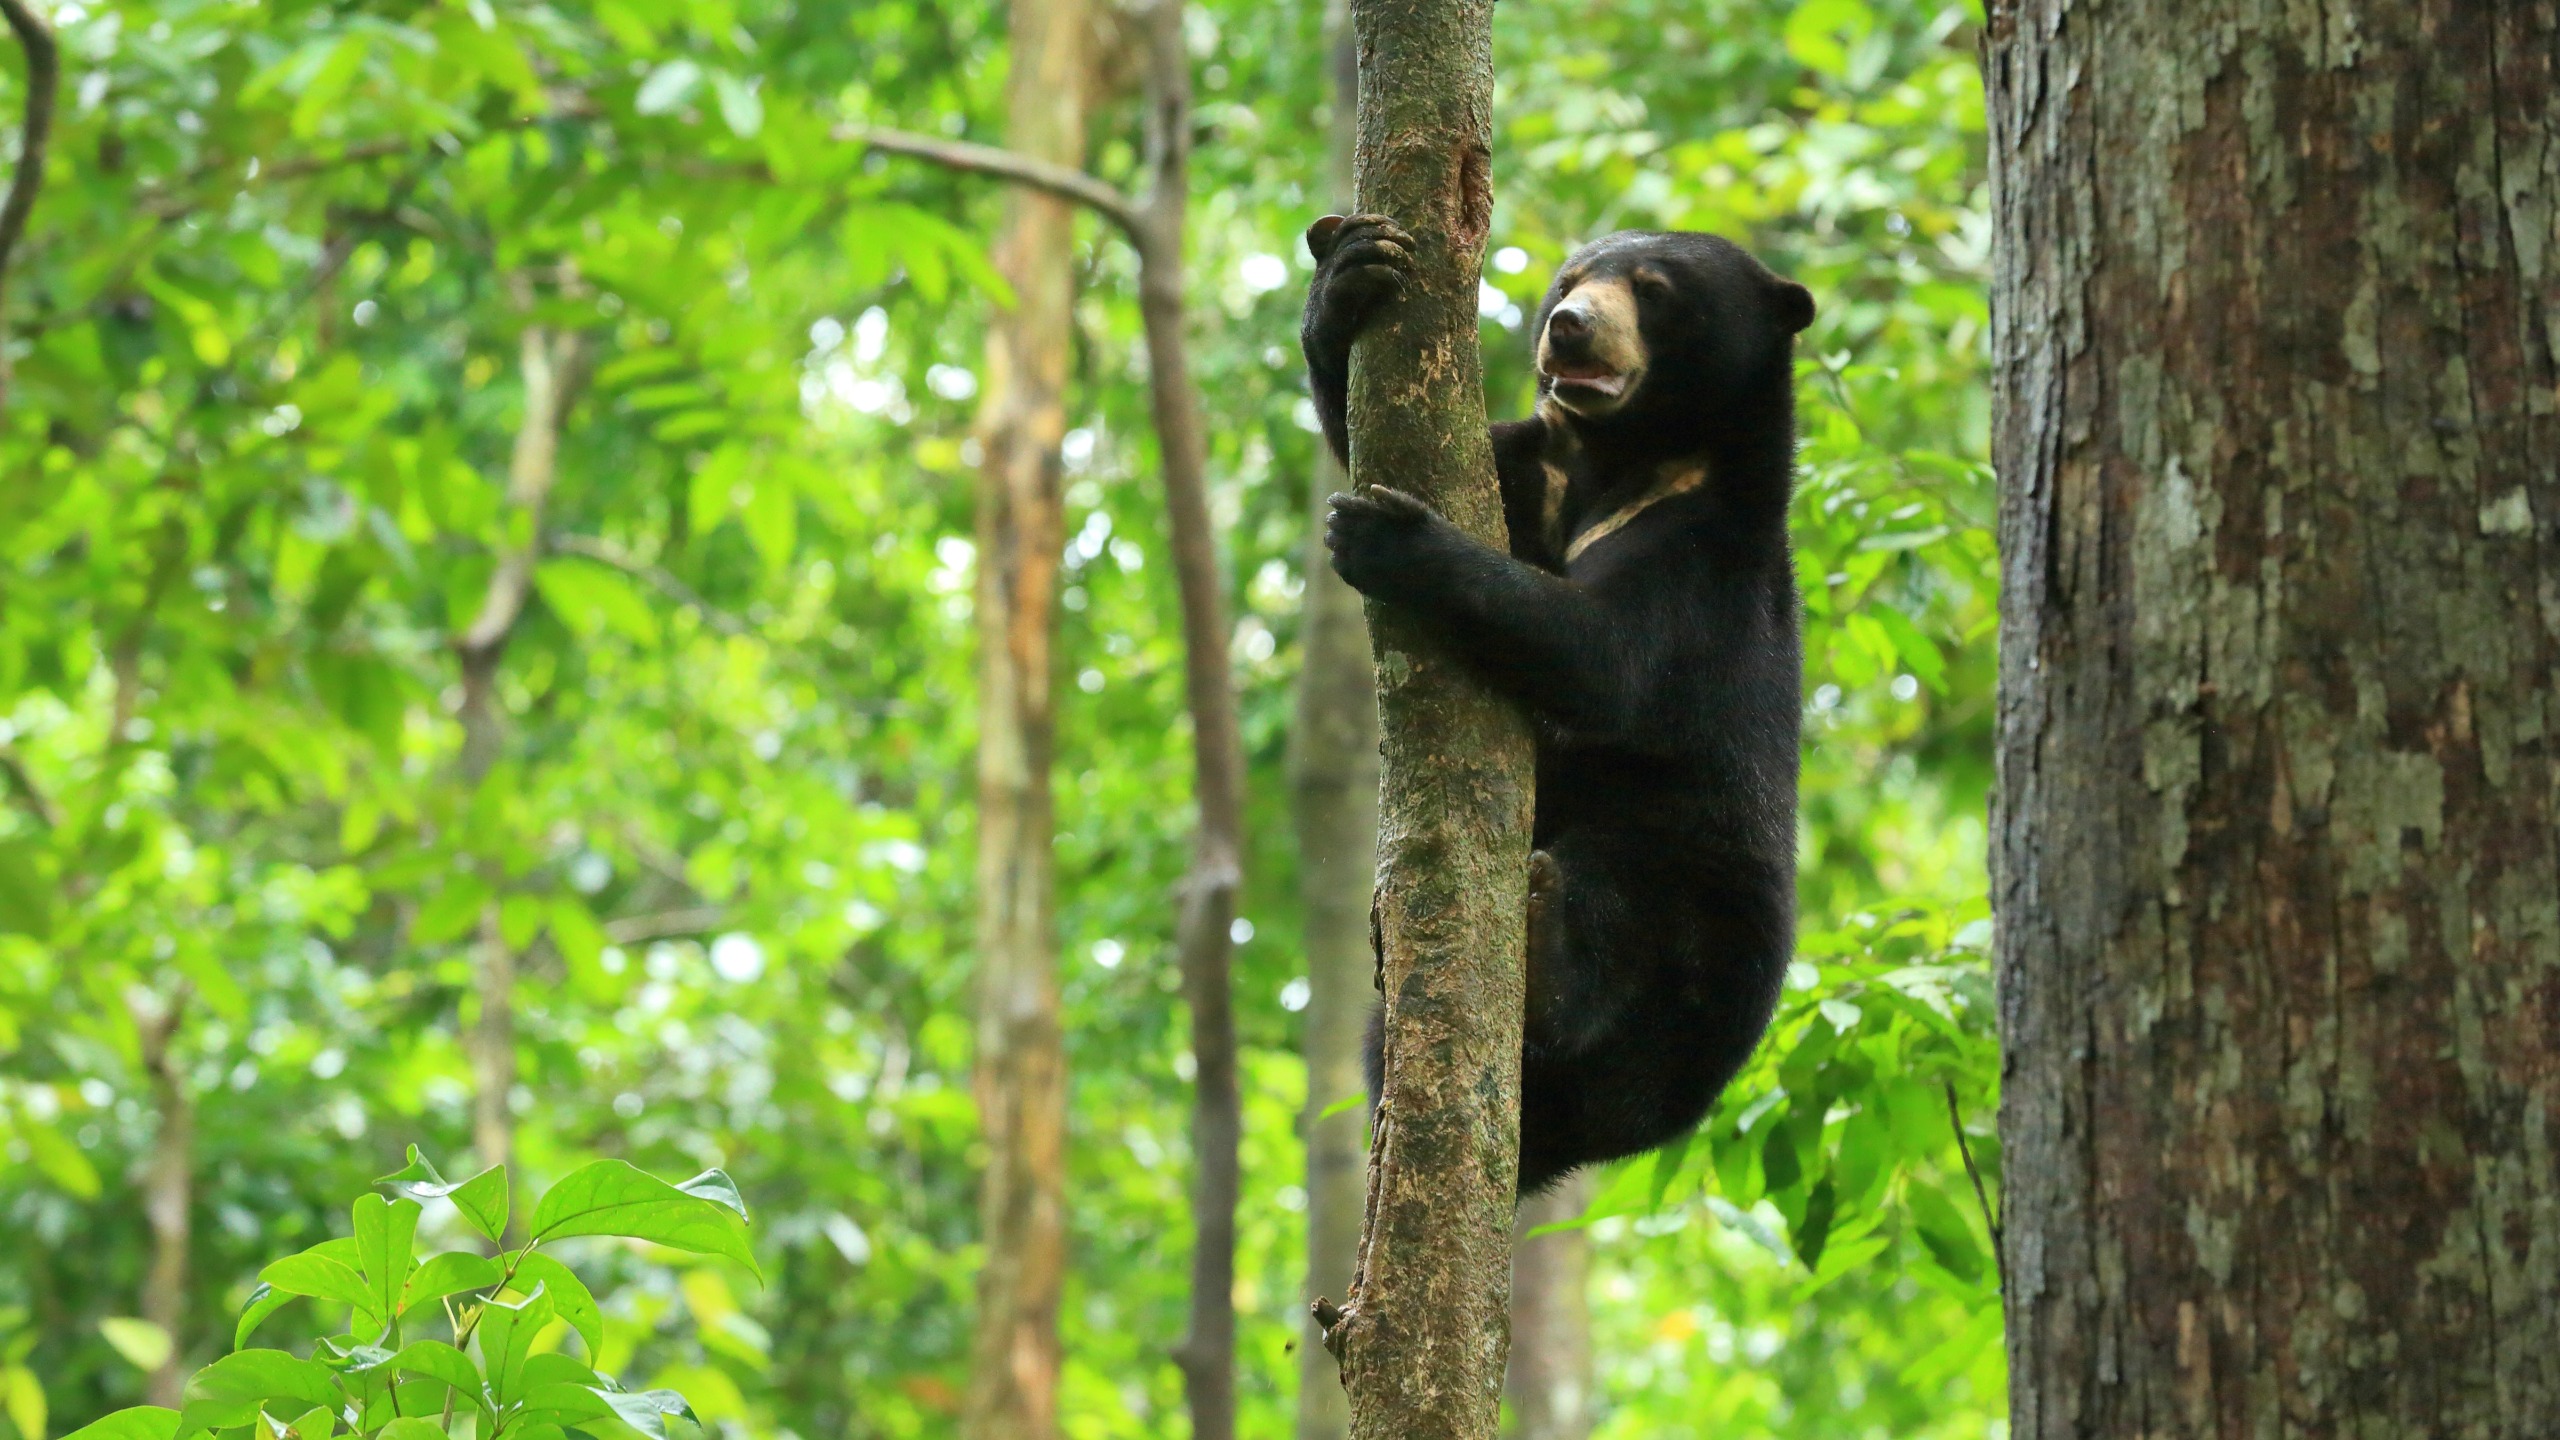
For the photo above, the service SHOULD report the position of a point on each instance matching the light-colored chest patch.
(1673, 480)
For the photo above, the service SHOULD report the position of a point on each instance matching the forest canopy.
(302, 280)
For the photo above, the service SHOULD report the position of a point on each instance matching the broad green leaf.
(591, 598)
(411, 1427)
(436, 1360)
(22, 1400)
(26, 888)
(317, 1275)
(61, 1161)
(570, 1298)
(450, 1273)
(142, 1422)
(264, 1301)
(506, 1336)
(316, 1423)
(386, 1232)
(482, 1199)
(739, 105)
(146, 1345)
(247, 1377)
(647, 1411)
(667, 87)
(612, 1197)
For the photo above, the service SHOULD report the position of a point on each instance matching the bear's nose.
(1568, 325)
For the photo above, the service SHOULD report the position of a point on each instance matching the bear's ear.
(1795, 306)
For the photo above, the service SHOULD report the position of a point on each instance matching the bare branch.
(1064, 181)
(35, 37)
(22, 783)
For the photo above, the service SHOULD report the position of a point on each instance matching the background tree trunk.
(1020, 1075)
(168, 1192)
(1549, 1379)
(1422, 1341)
(43, 55)
(1203, 937)
(548, 363)
(2274, 853)
(1334, 780)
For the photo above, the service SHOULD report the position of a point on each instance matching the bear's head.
(1669, 331)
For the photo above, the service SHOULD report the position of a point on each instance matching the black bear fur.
(1646, 619)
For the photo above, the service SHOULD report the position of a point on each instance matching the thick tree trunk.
(1334, 780)
(2274, 854)
(548, 361)
(1020, 1077)
(1549, 1381)
(1423, 1338)
(1203, 937)
(168, 1194)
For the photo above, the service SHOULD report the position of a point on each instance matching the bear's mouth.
(1591, 376)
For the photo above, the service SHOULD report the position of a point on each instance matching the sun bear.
(1646, 620)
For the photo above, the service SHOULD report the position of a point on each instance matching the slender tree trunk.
(549, 361)
(1021, 1063)
(1203, 939)
(168, 1194)
(1334, 777)
(2274, 853)
(1549, 1381)
(43, 56)
(1423, 1338)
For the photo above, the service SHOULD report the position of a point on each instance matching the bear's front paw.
(1376, 537)
(1361, 264)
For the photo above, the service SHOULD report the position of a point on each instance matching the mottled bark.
(548, 362)
(1549, 1381)
(2274, 854)
(168, 1190)
(1334, 787)
(43, 56)
(1203, 936)
(1020, 1072)
(1423, 1337)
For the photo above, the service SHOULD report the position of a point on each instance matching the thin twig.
(35, 37)
(664, 925)
(22, 783)
(606, 552)
(1064, 181)
(1982, 1197)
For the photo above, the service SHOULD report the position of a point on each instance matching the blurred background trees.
(363, 788)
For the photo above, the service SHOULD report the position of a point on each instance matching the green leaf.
(739, 105)
(667, 87)
(1346, 1103)
(142, 1422)
(1814, 1229)
(506, 1336)
(22, 1400)
(61, 1161)
(249, 1377)
(386, 1234)
(263, 1302)
(451, 1273)
(411, 1427)
(146, 1345)
(482, 1199)
(436, 1360)
(1915, 648)
(1944, 1232)
(26, 888)
(316, 1275)
(591, 598)
(647, 1410)
(612, 1197)
(570, 1298)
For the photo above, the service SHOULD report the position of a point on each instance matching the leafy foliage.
(500, 1367)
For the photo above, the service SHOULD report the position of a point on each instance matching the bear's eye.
(1652, 282)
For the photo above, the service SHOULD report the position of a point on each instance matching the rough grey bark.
(1334, 791)
(1549, 1380)
(1423, 1337)
(1020, 1071)
(2274, 854)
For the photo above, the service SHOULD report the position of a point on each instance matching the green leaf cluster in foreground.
(497, 1361)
